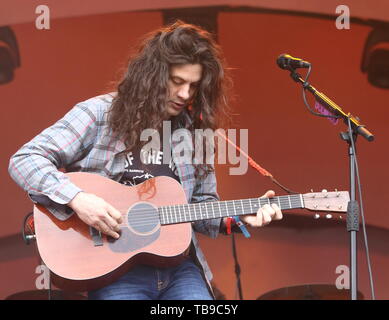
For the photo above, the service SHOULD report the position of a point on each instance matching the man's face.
(182, 85)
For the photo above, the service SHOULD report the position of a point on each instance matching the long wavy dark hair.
(142, 94)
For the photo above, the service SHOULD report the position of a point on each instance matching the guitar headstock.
(334, 201)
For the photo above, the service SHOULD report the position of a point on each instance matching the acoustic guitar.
(156, 228)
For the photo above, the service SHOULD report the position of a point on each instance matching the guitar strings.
(169, 214)
(285, 204)
(191, 208)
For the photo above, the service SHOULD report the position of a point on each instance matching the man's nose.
(184, 92)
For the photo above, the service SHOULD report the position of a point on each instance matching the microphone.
(287, 62)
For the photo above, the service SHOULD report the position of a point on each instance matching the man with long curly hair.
(178, 75)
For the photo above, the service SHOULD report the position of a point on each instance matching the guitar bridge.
(96, 237)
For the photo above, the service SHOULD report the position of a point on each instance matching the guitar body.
(82, 259)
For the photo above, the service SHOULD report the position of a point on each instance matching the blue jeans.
(183, 282)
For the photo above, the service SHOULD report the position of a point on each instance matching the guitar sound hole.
(143, 218)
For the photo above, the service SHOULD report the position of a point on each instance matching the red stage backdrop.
(81, 57)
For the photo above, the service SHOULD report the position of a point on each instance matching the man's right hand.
(96, 212)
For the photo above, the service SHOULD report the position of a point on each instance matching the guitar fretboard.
(220, 209)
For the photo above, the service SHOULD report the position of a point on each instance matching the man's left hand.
(265, 214)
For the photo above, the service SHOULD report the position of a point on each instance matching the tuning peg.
(328, 216)
(316, 216)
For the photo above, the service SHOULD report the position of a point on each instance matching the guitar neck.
(219, 209)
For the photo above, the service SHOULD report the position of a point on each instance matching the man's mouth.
(177, 105)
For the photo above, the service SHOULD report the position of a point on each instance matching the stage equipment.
(9, 55)
(355, 128)
(375, 58)
(309, 292)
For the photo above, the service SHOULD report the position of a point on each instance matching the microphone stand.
(355, 129)
(237, 267)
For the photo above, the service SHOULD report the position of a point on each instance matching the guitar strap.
(255, 165)
(242, 226)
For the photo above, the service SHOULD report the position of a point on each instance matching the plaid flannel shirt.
(82, 141)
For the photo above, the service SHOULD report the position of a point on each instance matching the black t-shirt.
(137, 171)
